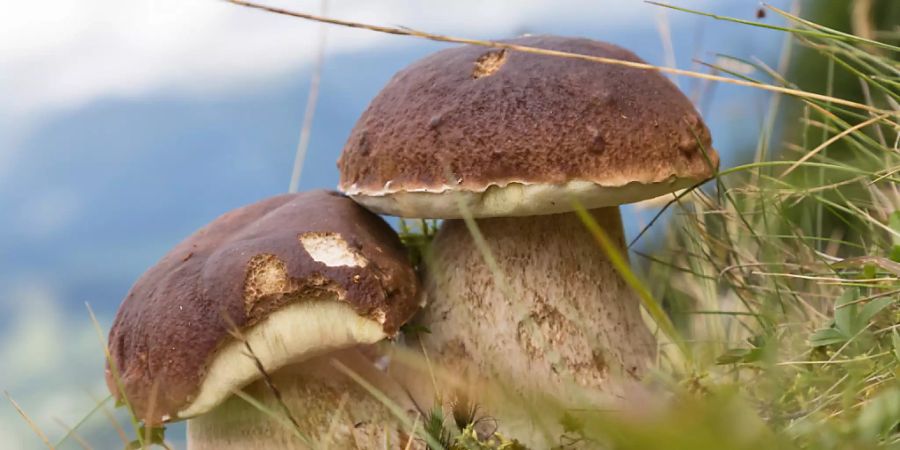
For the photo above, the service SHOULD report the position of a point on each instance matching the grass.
(778, 284)
(784, 278)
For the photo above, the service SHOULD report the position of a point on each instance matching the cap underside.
(290, 335)
(513, 199)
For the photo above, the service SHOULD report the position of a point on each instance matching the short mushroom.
(515, 137)
(290, 284)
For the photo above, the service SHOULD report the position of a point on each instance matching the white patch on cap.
(331, 249)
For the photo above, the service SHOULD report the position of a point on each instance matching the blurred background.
(125, 126)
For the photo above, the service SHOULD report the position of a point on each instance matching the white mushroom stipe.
(567, 318)
(331, 249)
(331, 410)
(284, 338)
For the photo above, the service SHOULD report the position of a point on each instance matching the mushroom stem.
(560, 316)
(331, 410)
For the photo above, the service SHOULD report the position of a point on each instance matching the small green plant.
(153, 436)
(417, 238)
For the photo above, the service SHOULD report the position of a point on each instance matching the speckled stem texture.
(567, 320)
(332, 411)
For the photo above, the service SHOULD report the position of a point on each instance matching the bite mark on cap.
(266, 275)
(489, 63)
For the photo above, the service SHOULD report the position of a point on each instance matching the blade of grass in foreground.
(71, 430)
(395, 409)
(37, 430)
(312, 100)
(621, 264)
(819, 31)
(115, 373)
(282, 419)
(835, 33)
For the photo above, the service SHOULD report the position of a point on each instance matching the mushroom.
(264, 299)
(514, 138)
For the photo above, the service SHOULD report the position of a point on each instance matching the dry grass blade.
(541, 51)
(832, 140)
(483, 247)
(71, 431)
(115, 373)
(274, 415)
(271, 386)
(113, 422)
(34, 427)
(659, 214)
(151, 407)
(621, 264)
(311, 102)
(665, 38)
(97, 407)
(411, 438)
(395, 409)
(235, 332)
(333, 424)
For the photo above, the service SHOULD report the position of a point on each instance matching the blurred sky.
(126, 125)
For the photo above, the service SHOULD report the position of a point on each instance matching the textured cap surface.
(243, 267)
(472, 119)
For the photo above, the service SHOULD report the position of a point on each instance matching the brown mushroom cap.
(513, 133)
(310, 272)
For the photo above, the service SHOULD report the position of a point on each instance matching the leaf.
(845, 313)
(872, 308)
(895, 253)
(869, 271)
(881, 415)
(740, 355)
(154, 436)
(827, 336)
(732, 356)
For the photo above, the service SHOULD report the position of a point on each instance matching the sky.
(125, 126)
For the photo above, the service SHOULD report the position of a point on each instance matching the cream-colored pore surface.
(514, 199)
(288, 336)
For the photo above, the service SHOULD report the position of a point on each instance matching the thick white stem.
(331, 410)
(559, 320)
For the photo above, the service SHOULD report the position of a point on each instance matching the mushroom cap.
(510, 133)
(295, 275)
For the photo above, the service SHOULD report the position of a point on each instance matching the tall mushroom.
(288, 284)
(515, 137)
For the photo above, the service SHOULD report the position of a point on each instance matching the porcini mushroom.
(288, 284)
(515, 137)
